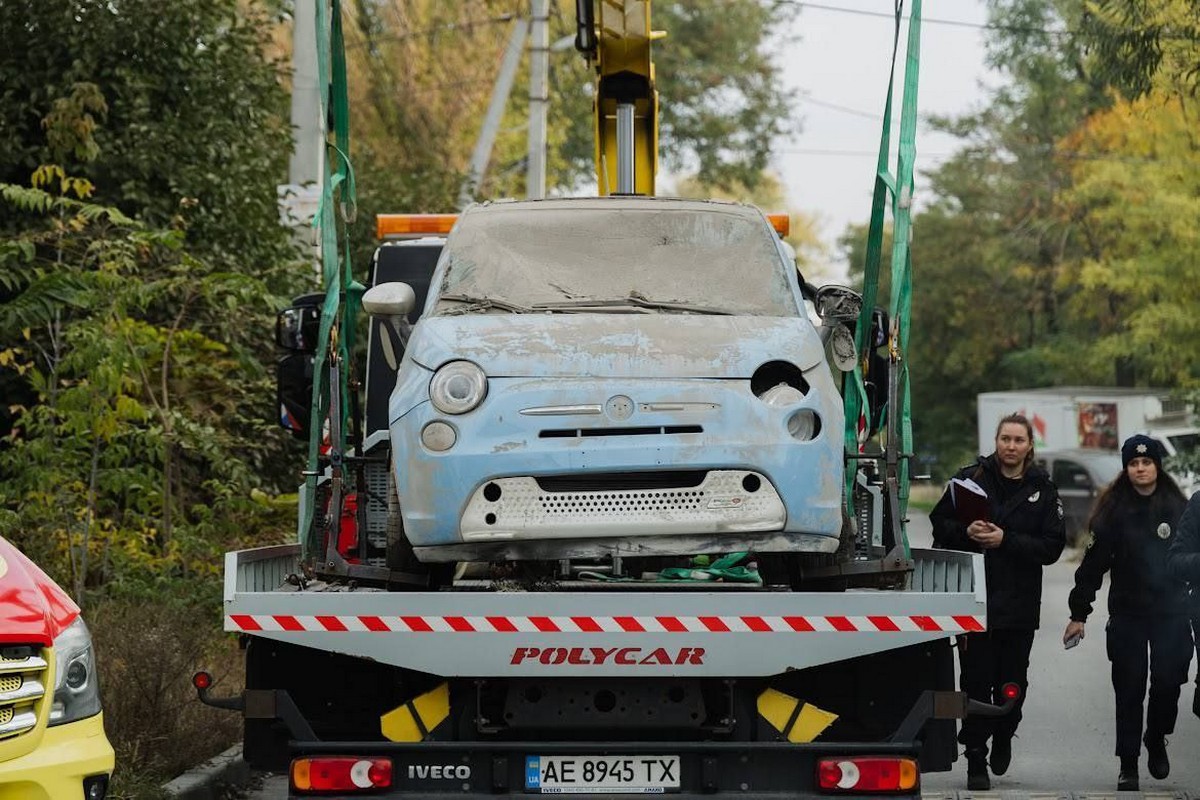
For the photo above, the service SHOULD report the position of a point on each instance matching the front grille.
(23, 677)
(720, 501)
(618, 481)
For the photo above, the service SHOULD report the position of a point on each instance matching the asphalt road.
(1065, 743)
(1067, 737)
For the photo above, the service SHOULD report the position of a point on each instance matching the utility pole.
(491, 123)
(299, 197)
(539, 68)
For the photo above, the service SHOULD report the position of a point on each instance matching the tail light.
(855, 775)
(341, 774)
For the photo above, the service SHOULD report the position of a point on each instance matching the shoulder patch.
(1058, 502)
(1091, 539)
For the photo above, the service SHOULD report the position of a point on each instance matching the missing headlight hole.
(751, 483)
(773, 373)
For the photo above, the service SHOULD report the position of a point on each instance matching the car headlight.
(782, 396)
(76, 687)
(457, 387)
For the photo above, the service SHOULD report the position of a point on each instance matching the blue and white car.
(614, 376)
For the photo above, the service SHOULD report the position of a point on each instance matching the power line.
(989, 26)
(956, 23)
(807, 98)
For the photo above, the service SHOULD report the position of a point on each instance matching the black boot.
(1001, 754)
(1127, 781)
(1157, 761)
(977, 771)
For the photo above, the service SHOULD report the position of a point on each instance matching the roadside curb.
(209, 780)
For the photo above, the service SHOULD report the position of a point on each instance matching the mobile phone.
(1073, 641)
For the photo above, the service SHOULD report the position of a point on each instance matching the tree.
(1139, 44)
(183, 105)
(137, 459)
(1135, 198)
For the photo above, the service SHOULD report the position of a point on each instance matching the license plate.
(601, 774)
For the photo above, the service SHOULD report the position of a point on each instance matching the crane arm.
(615, 37)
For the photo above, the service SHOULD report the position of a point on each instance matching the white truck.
(1090, 417)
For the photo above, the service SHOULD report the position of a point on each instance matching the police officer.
(1183, 562)
(1025, 532)
(1132, 525)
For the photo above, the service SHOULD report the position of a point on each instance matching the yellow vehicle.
(52, 742)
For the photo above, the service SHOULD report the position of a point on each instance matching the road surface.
(1065, 744)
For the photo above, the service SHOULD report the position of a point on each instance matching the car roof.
(1098, 458)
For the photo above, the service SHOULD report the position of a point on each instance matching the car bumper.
(676, 427)
(57, 767)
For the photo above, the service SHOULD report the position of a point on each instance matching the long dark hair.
(1018, 419)
(1121, 491)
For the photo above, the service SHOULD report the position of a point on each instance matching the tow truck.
(428, 634)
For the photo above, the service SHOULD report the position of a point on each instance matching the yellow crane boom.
(615, 37)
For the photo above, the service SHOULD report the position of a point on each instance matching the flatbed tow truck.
(381, 664)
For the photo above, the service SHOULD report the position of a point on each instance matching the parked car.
(1080, 475)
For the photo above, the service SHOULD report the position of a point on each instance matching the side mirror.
(389, 300)
(390, 304)
(298, 326)
(293, 392)
(837, 304)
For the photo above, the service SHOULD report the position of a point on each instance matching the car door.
(1077, 491)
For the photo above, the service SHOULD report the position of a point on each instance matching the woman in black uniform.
(1132, 526)
(1183, 562)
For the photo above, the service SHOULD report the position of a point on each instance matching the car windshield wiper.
(633, 299)
(473, 304)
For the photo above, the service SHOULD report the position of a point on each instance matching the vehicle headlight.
(76, 687)
(457, 387)
(803, 425)
(782, 396)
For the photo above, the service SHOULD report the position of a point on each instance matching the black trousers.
(987, 661)
(1159, 648)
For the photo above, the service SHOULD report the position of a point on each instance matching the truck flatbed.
(661, 631)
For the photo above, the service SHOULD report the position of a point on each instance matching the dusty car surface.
(615, 376)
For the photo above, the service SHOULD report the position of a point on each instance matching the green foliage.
(136, 461)
(1139, 44)
(152, 102)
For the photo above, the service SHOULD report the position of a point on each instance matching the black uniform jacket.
(1132, 541)
(1034, 535)
(1183, 554)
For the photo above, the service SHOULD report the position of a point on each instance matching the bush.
(147, 654)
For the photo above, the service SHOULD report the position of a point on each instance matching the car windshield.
(639, 257)
(1185, 442)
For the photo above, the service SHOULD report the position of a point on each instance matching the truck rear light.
(854, 775)
(341, 774)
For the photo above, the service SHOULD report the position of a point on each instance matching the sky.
(838, 61)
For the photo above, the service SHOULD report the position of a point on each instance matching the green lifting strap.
(900, 189)
(343, 295)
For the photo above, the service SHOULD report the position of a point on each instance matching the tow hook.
(203, 682)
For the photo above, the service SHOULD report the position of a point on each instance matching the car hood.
(616, 345)
(33, 609)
